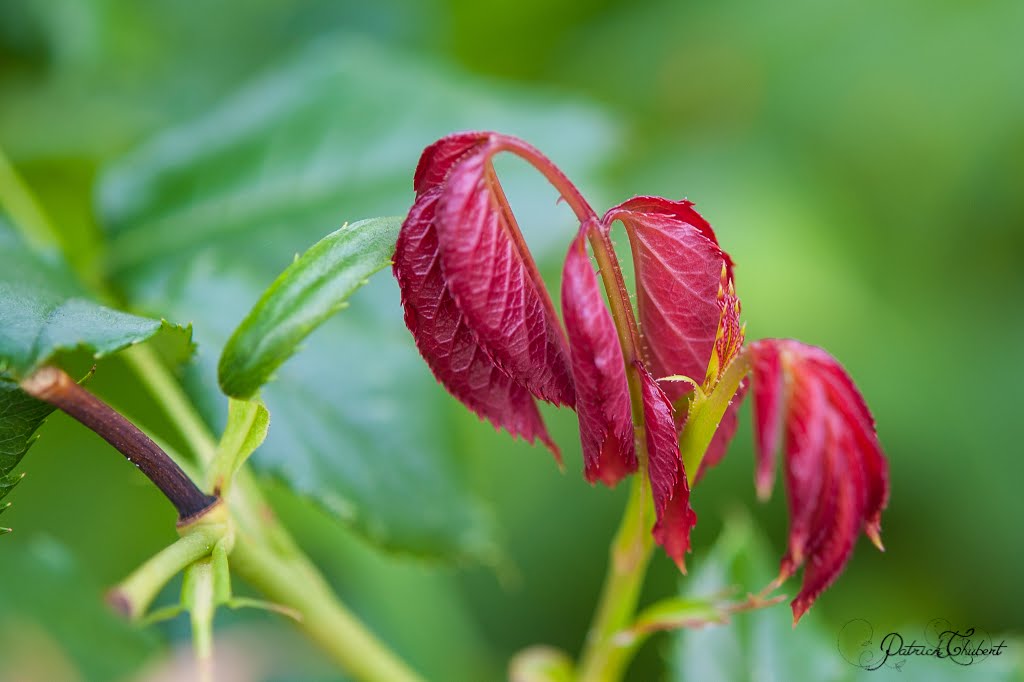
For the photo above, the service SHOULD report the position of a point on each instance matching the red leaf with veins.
(665, 469)
(678, 272)
(808, 435)
(445, 341)
(833, 543)
(491, 275)
(769, 397)
(438, 158)
(602, 394)
(837, 477)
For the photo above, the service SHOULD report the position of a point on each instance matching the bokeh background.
(863, 162)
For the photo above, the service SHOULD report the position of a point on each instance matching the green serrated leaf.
(204, 216)
(44, 312)
(20, 416)
(309, 291)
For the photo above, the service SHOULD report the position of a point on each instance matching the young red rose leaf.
(769, 399)
(836, 475)
(729, 335)
(602, 394)
(807, 436)
(665, 469)
(493, 279)
(678, 273)
(832, 544)
(728, 346)
(845, 396)
(437, 159)
(444, 339)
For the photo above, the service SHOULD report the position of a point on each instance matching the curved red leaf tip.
(836, 474)
(492, 277)
(665, 469)
(602, 394)
(446, 342)
(679, 271)
(437, 159)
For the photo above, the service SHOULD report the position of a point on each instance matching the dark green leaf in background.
(55, 625)
(44, 312)
(763, 645)
(309, 291)
(203, 217)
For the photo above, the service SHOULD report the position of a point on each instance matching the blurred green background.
(862, 161)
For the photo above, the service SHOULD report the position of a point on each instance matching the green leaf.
(54, 624)
(20, 416)
(44, 312)
(309, 291)
(204, 216)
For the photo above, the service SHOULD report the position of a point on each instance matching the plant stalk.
(604, 660)
(54, 386)
(295, 583)
(135, 593)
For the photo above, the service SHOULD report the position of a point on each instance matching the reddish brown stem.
(54, 386)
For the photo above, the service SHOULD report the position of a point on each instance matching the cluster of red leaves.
(483, 320)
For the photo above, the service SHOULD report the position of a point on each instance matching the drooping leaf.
(44, 312)
(309, 291)
(836, 474)
(494, 281)
(446, 342)
(602, 395)
(665, 467)
(679, 268)
(204, 216)
(20, 416)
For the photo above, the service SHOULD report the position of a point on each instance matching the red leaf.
(437, 159)
(602, 394)
(665, 469)
(836, 475)
(833, 541)
(678, 272)
(493, 279)
(807, 473)
(443, 338)
(769, 398)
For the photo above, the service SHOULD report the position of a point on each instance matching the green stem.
(23, 209)
(604, 660)
(199, 596)
(134, 595)
(294, 582)
(266, 555)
